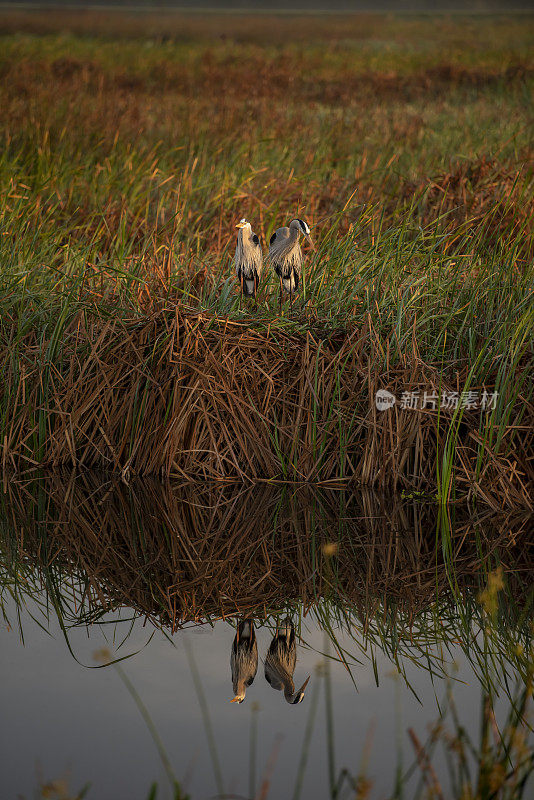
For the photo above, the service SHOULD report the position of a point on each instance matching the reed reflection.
(393, 575)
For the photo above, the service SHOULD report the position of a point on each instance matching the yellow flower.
(103, 656)
(330, 549)
(489, 597)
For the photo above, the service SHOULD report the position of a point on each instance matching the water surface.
(394, 605)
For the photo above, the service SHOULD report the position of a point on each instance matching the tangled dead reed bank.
(193, 396)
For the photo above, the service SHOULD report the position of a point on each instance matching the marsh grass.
(125, 163)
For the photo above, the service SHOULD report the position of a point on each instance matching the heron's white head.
(298, 697)
(243, 223)
(240, 696)
(303, 228)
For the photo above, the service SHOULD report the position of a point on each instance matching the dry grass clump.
(202, 397)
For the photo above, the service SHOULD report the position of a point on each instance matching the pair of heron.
(285, 255)
(279, 662)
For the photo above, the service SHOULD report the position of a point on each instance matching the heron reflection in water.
(243, 659)
(280, 663)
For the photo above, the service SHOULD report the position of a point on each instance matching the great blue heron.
(248, 259)
(243, 659)
(280, 663)
(286, 256)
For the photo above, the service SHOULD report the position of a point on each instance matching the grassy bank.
(128, 154)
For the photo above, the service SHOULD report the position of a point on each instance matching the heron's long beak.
(299, 696)
(236, 700)
(309, 239)
(240, 224)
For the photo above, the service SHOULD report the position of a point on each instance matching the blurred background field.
(134, 119)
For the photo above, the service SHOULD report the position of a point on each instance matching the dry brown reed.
(481, 195)
(194, 397)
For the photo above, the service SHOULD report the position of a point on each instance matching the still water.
(387, 625)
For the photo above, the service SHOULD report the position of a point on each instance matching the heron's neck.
(289, 688)
(293, 235)
(245, 234)
(292, 242)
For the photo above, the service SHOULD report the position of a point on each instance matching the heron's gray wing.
(233, 667)
(254, 667)
(241, 259)
(252, 662)
(290, 632)
(272, 677)
(278, 239)
(257, 256)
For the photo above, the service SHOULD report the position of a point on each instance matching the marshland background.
(130, 145)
